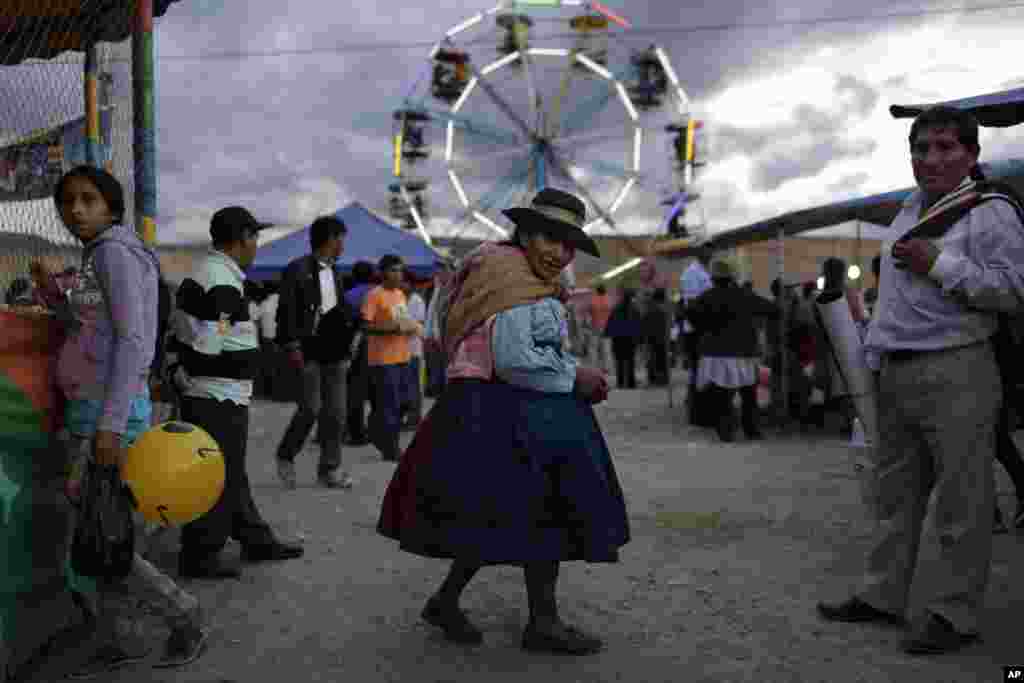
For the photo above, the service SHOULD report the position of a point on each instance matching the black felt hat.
(558, 214)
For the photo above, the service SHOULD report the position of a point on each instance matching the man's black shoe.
(207, 568)
(272, 552)
(936, 636)
(856, 611)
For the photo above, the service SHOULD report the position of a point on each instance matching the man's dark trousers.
(413, 401)
(235, 514)
(358, 394)
(322, 401)
(692, 359)
(388, 387)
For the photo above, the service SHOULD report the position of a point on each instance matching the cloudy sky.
(285, 107)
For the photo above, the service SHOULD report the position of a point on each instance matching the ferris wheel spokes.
(468, 124)
(608, 169)
(556, 161)
(498, 100)
(536, 106)
(579, 117)
(499, 198)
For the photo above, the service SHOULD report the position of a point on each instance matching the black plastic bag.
(104, 542)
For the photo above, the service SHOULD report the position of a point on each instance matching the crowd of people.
(494, 342)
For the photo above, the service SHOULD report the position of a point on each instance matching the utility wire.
(635, 32)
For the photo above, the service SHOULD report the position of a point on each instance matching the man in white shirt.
(939, 392)
(694, 281)
(268, 312)
(414, 401)
(311, 299)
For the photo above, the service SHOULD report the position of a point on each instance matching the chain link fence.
(42, 135)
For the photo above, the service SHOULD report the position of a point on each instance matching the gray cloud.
(302, 130)
(805, 159)
(864, 97)
(849, 184)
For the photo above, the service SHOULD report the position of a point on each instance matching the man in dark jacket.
(656, 323)
(725, 317)
(315, 326)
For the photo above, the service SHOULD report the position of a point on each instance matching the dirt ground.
(732, 546)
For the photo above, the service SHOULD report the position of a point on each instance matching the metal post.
(782, 398)
(92, 110)
(143, 106)
(541, 178)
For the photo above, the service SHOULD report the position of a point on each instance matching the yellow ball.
(176, 473)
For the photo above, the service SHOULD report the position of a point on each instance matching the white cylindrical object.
(465, 93)
(638, 140)
(498, 63)
(472, 21)
(666, 65)
(626, 102)
(489, 223)
(458, 188)
(622, 195)
(593, 66)
(684, 101)
(548, 51)
(844, 339)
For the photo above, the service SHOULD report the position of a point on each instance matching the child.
(103, 372)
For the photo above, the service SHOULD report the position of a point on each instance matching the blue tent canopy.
(997, 110)
(368, 239)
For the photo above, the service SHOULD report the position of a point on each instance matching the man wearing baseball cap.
(219, 356)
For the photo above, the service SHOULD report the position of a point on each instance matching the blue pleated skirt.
(498, 474)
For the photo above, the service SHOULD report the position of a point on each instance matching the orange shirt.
(600, 311)
(386, 305)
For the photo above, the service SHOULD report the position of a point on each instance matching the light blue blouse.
(530, 347)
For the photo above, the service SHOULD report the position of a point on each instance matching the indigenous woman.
(103, 372)
(510, 466)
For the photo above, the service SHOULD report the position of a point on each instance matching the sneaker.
(286, 473)
(106, 659)
(185, 645)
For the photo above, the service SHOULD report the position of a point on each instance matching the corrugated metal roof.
(996, 110)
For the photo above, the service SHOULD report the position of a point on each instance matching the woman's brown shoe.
(563, 639)
(453, 621)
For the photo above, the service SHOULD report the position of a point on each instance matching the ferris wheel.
(555, 101)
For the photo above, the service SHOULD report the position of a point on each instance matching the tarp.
(368, 239)
(879, 209)
(35, 520)
(996, 110)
